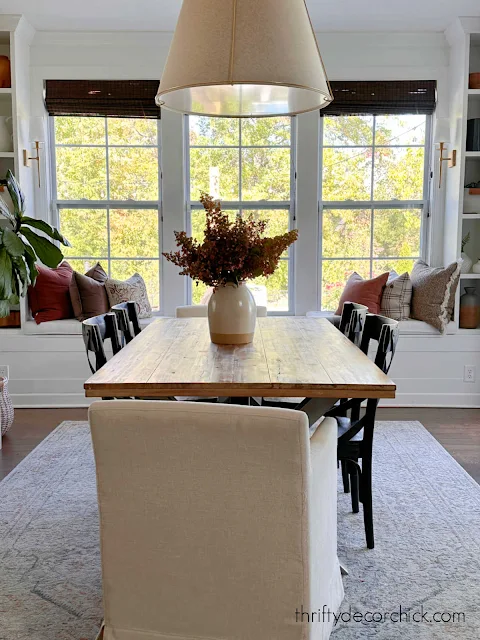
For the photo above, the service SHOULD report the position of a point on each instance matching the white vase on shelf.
(476, 267)
(467, 263)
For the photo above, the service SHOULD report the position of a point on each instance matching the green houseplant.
(21, 247)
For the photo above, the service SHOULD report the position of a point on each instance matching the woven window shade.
(115, 98)
(382, 98)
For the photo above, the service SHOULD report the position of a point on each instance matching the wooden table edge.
(239, 391)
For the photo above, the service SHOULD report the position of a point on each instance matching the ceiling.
(161, 15)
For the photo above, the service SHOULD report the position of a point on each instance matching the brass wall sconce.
(442, 137)
(36, 158)
(37, 135)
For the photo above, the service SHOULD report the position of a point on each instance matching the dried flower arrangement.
(232, 251)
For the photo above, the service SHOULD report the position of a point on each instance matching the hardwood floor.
(458, 430)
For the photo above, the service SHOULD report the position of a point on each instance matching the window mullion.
(372, 188)
(107, 160)
(240, 196)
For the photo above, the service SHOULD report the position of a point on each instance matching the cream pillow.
(133, 289)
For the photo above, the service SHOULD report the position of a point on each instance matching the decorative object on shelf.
(476, 267)
(469, 309)
(235, 72)
(21, 248)
(473, 188)
(474, 81)
(5, 76)
(467, 261)
(442, 138)
(37, 135)
(6, 134)
(231, 253)
(473, 134)
(6, 407)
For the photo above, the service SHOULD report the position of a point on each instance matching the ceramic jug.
(6, 140)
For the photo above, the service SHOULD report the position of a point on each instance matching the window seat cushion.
(408, 327)
(70, 327)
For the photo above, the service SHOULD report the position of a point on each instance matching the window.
(108, 195)
(247, 163)
(374, 197)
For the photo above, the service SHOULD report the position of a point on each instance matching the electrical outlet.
(4, 371)
(469, 373)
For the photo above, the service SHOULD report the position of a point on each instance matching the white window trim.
(108, 204)
(289, 205)
(423, 204)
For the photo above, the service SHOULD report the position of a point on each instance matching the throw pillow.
(98, 273)
(434, 293)
(49, 299)
(397, 296)
(132, 289)
(367, 292)
(88, 297)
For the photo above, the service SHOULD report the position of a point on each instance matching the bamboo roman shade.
(115, 98)
(382, 98)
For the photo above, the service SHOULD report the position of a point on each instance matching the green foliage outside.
(249, 163)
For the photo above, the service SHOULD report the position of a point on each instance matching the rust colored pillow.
(98, 273)
(367, 292)
(49, 299)
(88, 296)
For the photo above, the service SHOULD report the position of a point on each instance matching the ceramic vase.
(466, 264)
(6, 140)
(5, 78)
(6, 407)
(232, 314)
(469, 309)
(476, 267)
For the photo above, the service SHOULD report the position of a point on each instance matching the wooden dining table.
(289, 357)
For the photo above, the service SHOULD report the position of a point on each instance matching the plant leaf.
(16, 194)
(30, 259)
(6, 274)
(47, 229)
(21, 271)
(47, 252)
(4, 308)
(5, 211)
(12, 243)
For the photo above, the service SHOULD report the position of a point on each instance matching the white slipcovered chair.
(201, 311)
(216, 521)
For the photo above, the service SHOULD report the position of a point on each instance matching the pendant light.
(243, 58)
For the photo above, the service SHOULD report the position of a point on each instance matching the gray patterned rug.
(426, 560)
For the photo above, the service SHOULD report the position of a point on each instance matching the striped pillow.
(397, 296)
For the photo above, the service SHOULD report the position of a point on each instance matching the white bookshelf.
(462, 209)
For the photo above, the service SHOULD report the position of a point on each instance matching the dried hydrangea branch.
(232, 251)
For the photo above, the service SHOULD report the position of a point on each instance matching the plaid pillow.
(397, 296)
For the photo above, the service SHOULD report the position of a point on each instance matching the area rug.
(425, 564)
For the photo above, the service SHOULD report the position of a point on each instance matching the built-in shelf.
(5, 91)
(470, 276)
(471, 216)
(470, 332)
(472, 154)
(7, 154)
(474, 93)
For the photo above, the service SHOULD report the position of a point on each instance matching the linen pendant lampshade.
(241, 58)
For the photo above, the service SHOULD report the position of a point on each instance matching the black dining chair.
(356, 424)
(127, 319)
(95, 331)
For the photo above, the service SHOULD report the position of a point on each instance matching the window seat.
(408, 327)
(70, 327)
